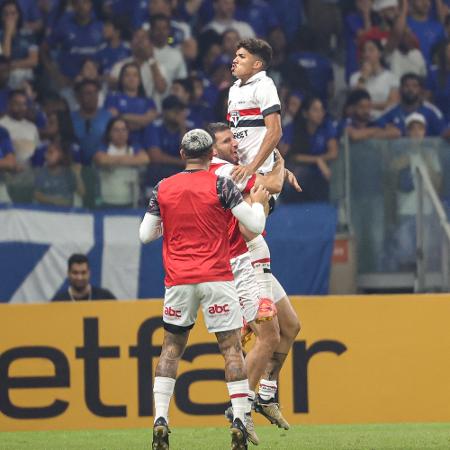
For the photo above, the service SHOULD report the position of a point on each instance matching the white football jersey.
(248, 104)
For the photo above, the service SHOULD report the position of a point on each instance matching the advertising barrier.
(357, 359)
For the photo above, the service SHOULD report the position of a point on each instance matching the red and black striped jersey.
(248, 104)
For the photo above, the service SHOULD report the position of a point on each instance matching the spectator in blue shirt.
(131, 103)
(17, 44)
(114, 49)
(77, 36)
(358, 124)
(313, 145)
(32, 19)
(318, 68)
(438, 82)
(411, 100)
(290, 14)
(90, 121)
(162, 140)
(259, 15)
(429, 32)
(199, 113)
(58, 180)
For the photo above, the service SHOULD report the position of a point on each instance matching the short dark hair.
(77, 258)
(356, 96)
(258, 48)
(216, 127)
(411, 76)
(158, 18)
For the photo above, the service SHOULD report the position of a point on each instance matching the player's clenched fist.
(259, 194)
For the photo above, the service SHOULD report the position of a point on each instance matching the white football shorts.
(218, 300)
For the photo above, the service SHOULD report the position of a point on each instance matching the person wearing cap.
(411, 100)
(190, 210)
(162, 140)
(401, 247)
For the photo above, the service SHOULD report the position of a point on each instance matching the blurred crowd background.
(96, 95)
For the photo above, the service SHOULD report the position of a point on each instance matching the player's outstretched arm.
(150, 228)
(253, 217)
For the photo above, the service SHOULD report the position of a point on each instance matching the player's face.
(226, 146)
(79, 275)
(245, 64)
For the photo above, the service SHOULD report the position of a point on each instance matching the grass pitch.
(311, 437)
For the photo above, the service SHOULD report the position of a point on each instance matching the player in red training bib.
(189, 210)
(225, 148)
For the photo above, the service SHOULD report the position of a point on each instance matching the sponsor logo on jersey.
(170, 312)
(219, 309)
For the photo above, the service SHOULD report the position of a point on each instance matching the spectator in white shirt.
(380, 82)
(153, 77)
(169, 58)
(24, 134)
(224, 19)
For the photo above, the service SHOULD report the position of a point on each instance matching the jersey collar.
(255, 77)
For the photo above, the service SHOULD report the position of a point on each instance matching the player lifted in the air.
(190, 211)
(254, 118)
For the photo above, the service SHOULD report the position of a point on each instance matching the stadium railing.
(375, 186)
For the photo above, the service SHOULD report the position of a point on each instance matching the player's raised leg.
(265, 402)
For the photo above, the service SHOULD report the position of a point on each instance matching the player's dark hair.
(216, 127)
(411, 76)
(77, 258)
(259, 48)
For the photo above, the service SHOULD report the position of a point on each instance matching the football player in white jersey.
(254, 118)
(225, 148)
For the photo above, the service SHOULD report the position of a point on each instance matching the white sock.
(267, 389)
(251, 397)
(238, 391)
(260, 256)
(162, 393)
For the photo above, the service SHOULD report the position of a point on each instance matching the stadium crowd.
(95, 95)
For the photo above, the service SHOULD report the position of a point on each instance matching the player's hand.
(290, 178)
(240, 173)
(259, 194)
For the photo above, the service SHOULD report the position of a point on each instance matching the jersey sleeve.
(229, 194)
(153, 205)
(267, 97)
(244, 185)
